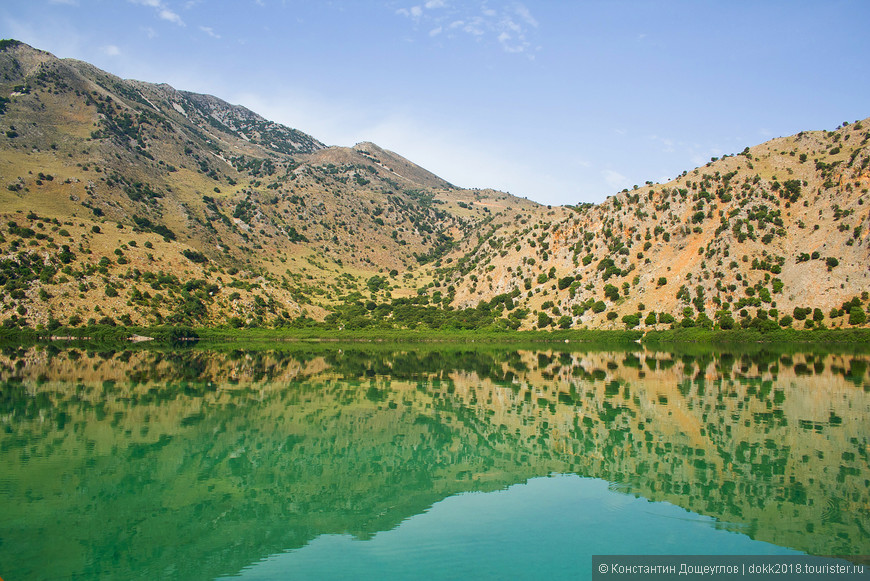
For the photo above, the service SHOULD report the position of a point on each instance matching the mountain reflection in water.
(195, 463)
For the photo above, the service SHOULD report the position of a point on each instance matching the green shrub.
(194, 256)
(631, 321)
(703, 321)
(857, 316)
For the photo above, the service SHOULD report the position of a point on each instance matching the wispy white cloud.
(111, 50)
(474, 26)
(508, 24)
(525, 15)
(614, 179)
(209, 31)
(414, 12)
(164, 12)
(666, 145)
(171, 16)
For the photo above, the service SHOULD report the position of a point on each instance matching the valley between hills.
(125, 203)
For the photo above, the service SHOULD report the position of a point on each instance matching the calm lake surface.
(312, 462)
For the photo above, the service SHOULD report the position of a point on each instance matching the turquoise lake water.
(546, 528)
(352, 463)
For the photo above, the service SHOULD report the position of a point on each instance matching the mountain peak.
(397, 164)
(28, 59)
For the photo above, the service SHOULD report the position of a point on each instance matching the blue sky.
(561, 102)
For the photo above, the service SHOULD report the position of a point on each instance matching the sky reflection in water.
(547, 528)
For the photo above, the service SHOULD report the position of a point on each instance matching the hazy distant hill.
(129, 202)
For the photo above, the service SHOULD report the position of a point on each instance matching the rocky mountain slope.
(133, 203)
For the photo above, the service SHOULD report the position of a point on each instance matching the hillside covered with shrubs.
(130, 204)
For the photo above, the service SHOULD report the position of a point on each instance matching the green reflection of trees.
(197, 462)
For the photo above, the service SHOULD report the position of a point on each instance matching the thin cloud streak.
(163, 11)
(209, 31)
(509, 26)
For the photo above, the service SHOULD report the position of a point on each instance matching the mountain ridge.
(134, 203)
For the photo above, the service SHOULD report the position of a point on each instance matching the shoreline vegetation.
(181, 336)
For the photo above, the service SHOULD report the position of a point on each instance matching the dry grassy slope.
(697, 244)
(260, 201)
(287, 226)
